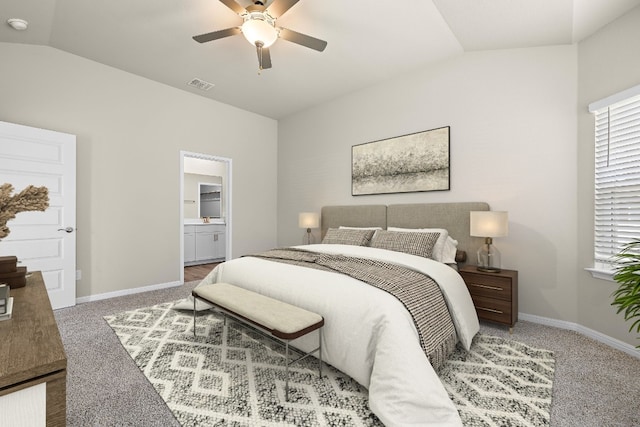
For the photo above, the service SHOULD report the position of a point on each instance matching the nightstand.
(495, 295)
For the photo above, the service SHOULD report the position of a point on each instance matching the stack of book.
(11, 274)
(6, 303)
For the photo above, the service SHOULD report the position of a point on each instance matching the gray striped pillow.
(420, 244)
(348, 236)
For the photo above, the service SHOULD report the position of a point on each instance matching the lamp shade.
(308, 220)
(489, 224)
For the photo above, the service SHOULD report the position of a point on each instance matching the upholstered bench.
(283, 321)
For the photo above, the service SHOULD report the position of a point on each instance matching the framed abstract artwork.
(404, 164)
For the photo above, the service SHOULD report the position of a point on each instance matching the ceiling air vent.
(200, 84)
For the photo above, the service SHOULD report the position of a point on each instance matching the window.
(617, 174)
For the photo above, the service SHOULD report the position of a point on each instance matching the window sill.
(600, 273)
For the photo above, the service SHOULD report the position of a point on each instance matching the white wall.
(513, 145)
(130, 131)
(609, 62)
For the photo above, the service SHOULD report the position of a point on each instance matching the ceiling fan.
(259, 28)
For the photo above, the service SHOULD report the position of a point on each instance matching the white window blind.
(617, 177)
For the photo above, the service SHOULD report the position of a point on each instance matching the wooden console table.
(32, 354)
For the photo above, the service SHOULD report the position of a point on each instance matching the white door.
(43, 241)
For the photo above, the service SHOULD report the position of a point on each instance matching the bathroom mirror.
(203, 196)
(210, 200)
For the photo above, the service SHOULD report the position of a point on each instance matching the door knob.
(68, 229)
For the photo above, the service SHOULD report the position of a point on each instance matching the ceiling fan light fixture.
(259, 29)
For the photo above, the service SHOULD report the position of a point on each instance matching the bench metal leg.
(194, 316)
(286, 372)
(320, 352)
(287, 362)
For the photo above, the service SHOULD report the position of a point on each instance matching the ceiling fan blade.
(279, 7)
(303, 39)
(264, 57)
(231, 4)
(203, 38)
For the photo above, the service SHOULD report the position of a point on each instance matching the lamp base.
(489, 259)
(489, 269)
(308, 237)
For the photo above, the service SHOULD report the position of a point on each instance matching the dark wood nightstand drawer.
(488, 286)
(496, 310)
(494, 294)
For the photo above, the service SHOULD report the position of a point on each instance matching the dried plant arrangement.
(30, 199)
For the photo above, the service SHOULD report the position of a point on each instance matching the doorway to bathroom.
(205, 211)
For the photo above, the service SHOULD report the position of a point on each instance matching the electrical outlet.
(78, 274)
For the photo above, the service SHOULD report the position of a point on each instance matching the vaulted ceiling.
(368, 41)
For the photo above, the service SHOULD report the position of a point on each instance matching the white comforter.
(368, 334)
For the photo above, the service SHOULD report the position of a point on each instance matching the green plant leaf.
(627, 274)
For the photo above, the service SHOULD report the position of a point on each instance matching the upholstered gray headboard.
(453, 217)
(353, 216)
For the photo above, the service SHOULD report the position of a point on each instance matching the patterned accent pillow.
(348, 237)
(420, 244)
(441, 243)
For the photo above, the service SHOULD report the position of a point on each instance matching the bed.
(371, 334)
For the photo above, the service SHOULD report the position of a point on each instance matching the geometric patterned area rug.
(234, 376)
(500, 383)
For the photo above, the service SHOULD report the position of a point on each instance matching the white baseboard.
(598, 336)
(123, 292)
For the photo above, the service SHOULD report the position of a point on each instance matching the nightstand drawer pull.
(493, 310)
(493, 288)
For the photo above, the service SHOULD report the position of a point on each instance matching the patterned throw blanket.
(418, 292)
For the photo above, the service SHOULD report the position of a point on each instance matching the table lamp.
(489, 224)
(309, 220)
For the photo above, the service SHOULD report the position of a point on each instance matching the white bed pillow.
(449, 251)
(438, 248)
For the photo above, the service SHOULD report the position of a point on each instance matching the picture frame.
(415, 162)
